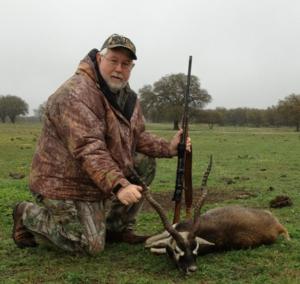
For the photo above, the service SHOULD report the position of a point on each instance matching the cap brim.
(119, 45)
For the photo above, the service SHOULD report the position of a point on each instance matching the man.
(81, 178)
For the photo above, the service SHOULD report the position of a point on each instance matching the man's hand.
(130, 194)
(176, 140)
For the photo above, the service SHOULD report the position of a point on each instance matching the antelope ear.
(202, 246)
(162, 243)
(201, 241)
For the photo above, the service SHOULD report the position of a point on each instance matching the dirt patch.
(215, 195)
(281, 201)
(16, 175)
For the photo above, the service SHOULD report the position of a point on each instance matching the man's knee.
(95, 247)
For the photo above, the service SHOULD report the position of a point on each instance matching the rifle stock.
(188, 185)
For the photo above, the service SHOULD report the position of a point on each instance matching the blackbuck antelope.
(224, 228)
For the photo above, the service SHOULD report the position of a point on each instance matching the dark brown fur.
(235, 227)
(225, 228)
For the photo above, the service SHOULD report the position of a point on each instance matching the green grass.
(264, 157)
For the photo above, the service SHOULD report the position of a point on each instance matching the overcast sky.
(245, 52)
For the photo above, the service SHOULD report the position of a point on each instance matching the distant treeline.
(286, 113)
(163, 102)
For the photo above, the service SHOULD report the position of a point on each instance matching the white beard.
(115, 87)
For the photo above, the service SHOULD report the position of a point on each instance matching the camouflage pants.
(80, 226)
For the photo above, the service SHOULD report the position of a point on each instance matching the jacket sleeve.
(83, 133)
(153, 146)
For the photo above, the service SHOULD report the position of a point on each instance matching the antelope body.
(224, 228)
(235, 227)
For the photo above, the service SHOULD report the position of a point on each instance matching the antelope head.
(179, 241)
(183, 253)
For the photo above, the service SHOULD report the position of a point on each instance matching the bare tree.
(40, 111)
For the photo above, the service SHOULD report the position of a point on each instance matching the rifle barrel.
(179, 186)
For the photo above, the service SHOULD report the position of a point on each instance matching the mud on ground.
(215, 195)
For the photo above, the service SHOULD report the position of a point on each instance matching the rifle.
(184, 162)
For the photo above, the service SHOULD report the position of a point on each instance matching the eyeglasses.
(127, 66)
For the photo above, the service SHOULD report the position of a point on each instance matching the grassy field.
(264, 162)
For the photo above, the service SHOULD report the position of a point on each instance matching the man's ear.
(98, 57)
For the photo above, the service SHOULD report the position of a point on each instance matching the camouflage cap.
(116, 40)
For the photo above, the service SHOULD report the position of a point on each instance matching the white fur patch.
(165, 234)
(158, 250)
(162, 243)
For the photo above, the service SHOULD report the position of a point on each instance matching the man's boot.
(21, 236)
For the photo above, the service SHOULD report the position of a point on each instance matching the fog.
(244, 52)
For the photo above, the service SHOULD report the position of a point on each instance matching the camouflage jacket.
(87, 144)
